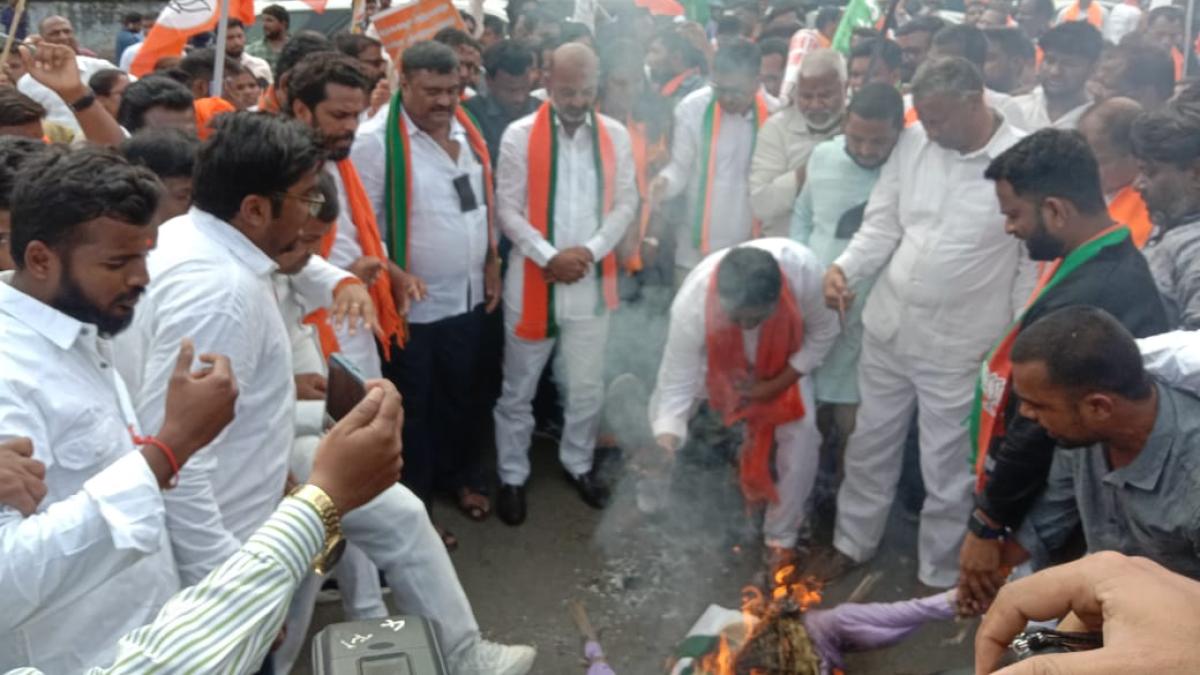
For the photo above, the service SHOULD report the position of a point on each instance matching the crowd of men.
(977, 243)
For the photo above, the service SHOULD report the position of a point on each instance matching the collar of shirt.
(1144, 472)
(229, 238)
(1003, 138)
(48, 322)
(457, 132)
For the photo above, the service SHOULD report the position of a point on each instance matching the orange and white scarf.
(537, 321)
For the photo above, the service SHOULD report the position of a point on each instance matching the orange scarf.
(1094, 15)
(1128, 208)
(363, 217)
(780, 336)
(710, 134)
(537, 320)
(668, 90)
(207, 110)
(643, 157)
(1177, 57)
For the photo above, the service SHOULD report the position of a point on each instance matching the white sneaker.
(488, 658)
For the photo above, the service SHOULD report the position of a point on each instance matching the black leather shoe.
(591, 489)
(510, 504)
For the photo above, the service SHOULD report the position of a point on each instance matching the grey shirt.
(1174, 257)
(1148, 508)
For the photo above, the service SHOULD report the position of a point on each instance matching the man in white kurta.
(950, 281)
(681, 377)
(212, 282)
(582, 321)
(731, 221)
(94, 561)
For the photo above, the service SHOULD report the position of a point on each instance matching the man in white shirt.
(1070, 53)
(788, 137)
(95, 560)
(970, 43)
(762, 289)
(441, 231)
(950, 280)
(235, 49)
(255, 189)
(718, 214)
(565, 209)
(58, 110)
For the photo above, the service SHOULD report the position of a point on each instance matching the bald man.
(1106, 127)
(566, 194)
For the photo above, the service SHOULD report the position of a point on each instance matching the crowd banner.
(407, 24)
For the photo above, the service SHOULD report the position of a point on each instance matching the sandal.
(448, 539)
(475, 505)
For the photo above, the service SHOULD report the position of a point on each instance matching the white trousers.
(891, 387)
(579, 372)
(797, 457)
(395, 532)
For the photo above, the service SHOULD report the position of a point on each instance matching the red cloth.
(780, 336)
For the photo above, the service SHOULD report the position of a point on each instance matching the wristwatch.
(84, 102)
(980, 528)
(335, 543)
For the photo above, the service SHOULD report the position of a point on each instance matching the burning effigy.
(784, 633)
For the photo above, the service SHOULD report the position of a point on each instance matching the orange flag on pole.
(180, 20)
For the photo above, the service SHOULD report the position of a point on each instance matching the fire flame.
(806, 593)
(797, 594)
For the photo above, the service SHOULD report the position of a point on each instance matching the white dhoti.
(891, 387)
(579, 372)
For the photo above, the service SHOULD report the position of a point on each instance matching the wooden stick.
(864, 587)
(581, 620)
(12, 33)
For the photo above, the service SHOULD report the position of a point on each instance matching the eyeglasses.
(314, 201)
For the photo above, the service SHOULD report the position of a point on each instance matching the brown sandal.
(475, 505)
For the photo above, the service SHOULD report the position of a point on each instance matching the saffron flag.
(413, 22)
(317, 5)
(858, 13)
(180, 20)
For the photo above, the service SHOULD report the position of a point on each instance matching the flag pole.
(219, 65)
(1190, 22)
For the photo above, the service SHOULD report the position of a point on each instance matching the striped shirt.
(226, 623)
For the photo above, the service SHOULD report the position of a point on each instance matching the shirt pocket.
(91, 440)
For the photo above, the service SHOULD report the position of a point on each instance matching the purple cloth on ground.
(857, 627)
(593, 651)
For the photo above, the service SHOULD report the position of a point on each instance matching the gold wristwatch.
(335, 543)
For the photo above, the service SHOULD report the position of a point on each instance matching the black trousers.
(435, 373)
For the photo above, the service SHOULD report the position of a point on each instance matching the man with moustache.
(841, 174)
(566, 194)
(1049, 190)
(426, 173)
(778, 166)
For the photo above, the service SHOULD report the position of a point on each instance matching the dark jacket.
(1117, 280)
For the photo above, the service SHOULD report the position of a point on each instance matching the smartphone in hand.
(346, 387)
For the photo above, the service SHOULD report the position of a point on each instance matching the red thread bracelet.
(167, 452)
